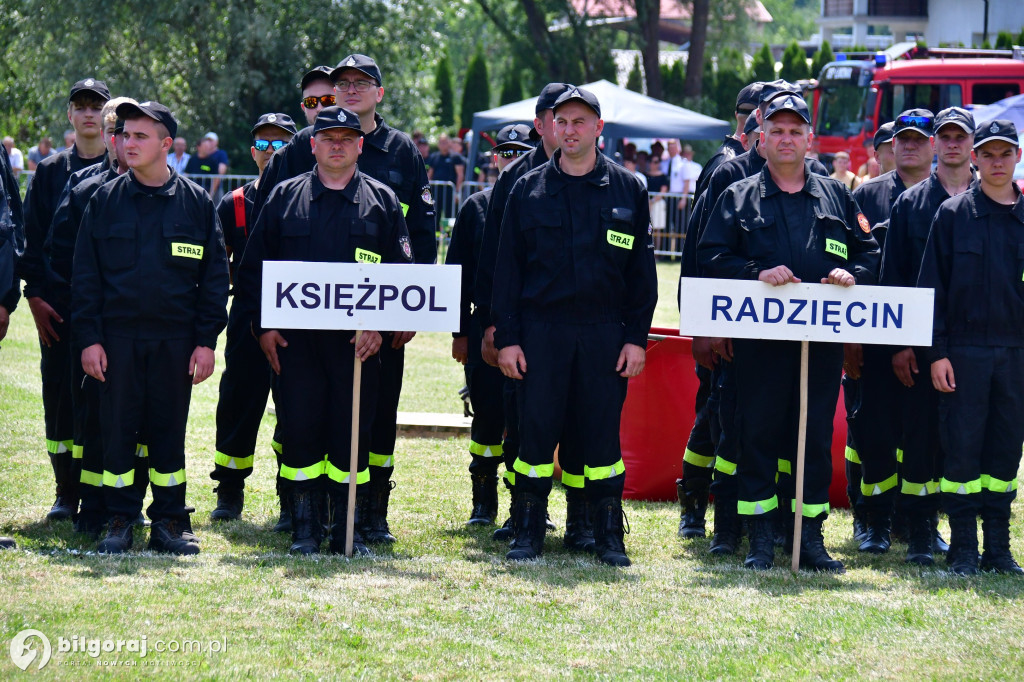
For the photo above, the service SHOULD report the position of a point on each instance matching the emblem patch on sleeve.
(427, 197)
(865, 226)
(406, 247)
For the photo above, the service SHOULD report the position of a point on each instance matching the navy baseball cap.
(336, 117)
(361, 63)
(773, 89)
(98, 88)
(956, 116)
(549, 95)
(999, 129)
(579, 95)
(315, 74)
(748, 98)
(920, 121)
(513, 137)
(790, 102)
(883, 134)
(751, 125)
(282, 121)
(154, 110)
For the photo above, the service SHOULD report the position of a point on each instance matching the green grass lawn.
(442, 604)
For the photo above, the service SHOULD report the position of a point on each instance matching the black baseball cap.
(883, 134)
(513, 137)
(579, 95)
(282, 121)
(98, 88)
(773, 89)
(119, 125)
(790, 102)
(361, 63)
(336, 117)
(748, 98)
(751, 125)
(549, 95)
(956, 116)
(317, 73)
(154, 110)
(999, 129)
(921, 121)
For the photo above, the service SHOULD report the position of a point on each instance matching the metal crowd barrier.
(670, 212)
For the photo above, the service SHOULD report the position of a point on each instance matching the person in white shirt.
(15, 156)
(178, 156)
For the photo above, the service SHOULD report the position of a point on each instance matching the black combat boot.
(187, 533)
(528, 519)
(119, 536)
(307, 526)
(995, 530)
(728, 528)
(919, 538)
(579, 529)
(693, 498)
(505, 533)
(962, 557)
(375, 523)
(165, 535)
(8, 543)
(485, 499)
(761, 556)
(284, 521)
(66, 503)
(813, 554)
(610, 527)
(230, 500)
(939, 546)
(784, 525)
(877, 538)
(339, 516)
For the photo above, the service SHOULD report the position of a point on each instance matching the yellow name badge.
(186, 250)
(623, 241)
(364, 256)
(834, 247)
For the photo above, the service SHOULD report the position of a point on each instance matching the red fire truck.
(859, 92)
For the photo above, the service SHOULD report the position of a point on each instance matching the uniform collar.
(769, 188)
(980, 205)
(558, 179)
(380, 135)
(351, 191)
(165, 190)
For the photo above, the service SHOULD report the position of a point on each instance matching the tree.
(675, 83)
(511, 87)
(731, 76)
(763, 67)
(794, 63)
(445, 112)
(648, 18)
(635, 81)
(822, 57)
(1020, 38)
(476, 96)
(698, 43)
(1004, 41)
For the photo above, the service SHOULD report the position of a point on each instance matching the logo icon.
(342, 117)
(24, 652)
(89, 82)
(512, 134)
(994, 128)
(351, 61)
(272, 118)
(575, 93)
(789, 103)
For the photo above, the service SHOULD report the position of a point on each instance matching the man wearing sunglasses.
(875, 418)
(245, 383)
(317, 92)
(484, 381)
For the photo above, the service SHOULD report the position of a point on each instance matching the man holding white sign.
(786, 225)
(332, 214)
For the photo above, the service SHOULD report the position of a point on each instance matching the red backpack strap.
(238, 197)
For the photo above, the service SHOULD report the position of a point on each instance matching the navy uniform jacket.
(876, 198)
(464, 249)
(974, 259)
(149, 264)
(12, 234)
(236, 236)
(389, 156)
(576, 250)
(745, 235)
(483, 285)
(290, 227)
(52, 174)
(730, 149)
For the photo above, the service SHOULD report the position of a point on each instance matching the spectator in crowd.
(445, 165)
(657, 183)
(209, 160)
(423, 145)
(629, 163)
(69, 140)
(643, 160)
(178, 158)
(870, 168)
(841, 171)
(14, 155)
(658, 154)
(41, 151)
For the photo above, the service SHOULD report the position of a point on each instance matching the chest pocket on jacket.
(967, 259)
(834, 237)
(758, 233)
(185, 248)
(617, 238)
(544, 237)
(365, 241)
(115, 244)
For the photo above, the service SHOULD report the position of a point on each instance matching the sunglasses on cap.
(325, 100)
(511, 153)
(264, 145)
(913, 122)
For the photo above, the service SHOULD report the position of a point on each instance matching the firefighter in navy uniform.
(149, 297)
(486, 383)
(332, 214)
(391, 157)
(574, 292)
(732, 146)
(875, 419)
(909, 223)
(245, 383)
(85, 103)
(974, 259)
(786, 225)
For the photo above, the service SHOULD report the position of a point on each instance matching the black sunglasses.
(311, 102)
(264, 145)
(510, 153)
(914, 122)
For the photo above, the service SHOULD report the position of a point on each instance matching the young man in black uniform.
(875, 417)
(50, 311)
(12, 235)
(776, 227)
(245, 383)
(974, 259)
(909, 223)
(574, 293)
(391, 157)
(149, 297)
(485, 382)
(317, 92)
(332, 214)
